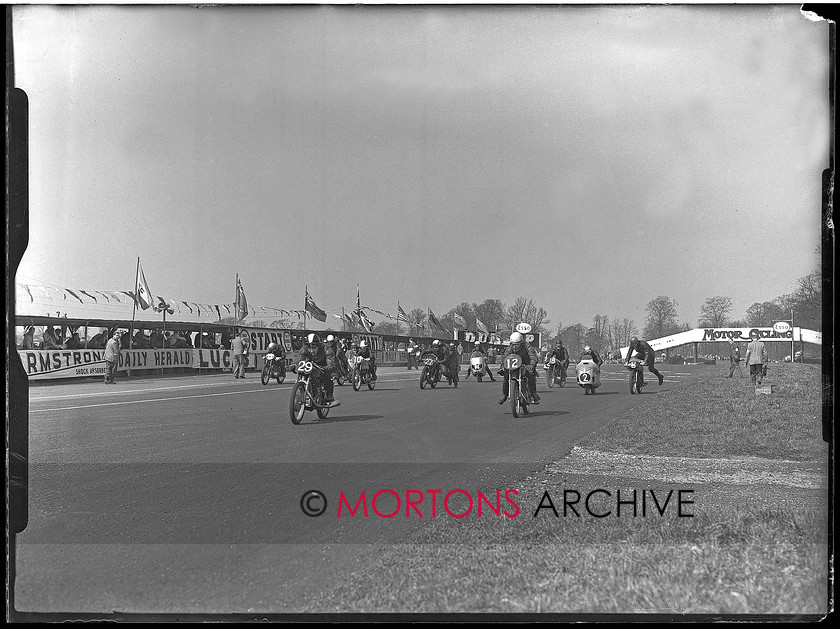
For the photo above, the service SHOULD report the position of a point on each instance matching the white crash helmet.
(587, 349)
(330, 338)
(363, 343)
(516, 338)
(312, 338)
(435, 342)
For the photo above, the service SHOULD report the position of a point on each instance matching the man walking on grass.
(734, 359)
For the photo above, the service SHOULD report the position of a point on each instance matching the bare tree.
(491, 312)
(418, 317)
(763, 314)
(714, 313)
(525, 310)
(661, 317)
(600, 331)
(574, 337)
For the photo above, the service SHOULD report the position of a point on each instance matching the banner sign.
(743, 334)
(481, 337)
(80, 363)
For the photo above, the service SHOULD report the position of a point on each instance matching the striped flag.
(459, 320)
(481, 327)
(367, 324)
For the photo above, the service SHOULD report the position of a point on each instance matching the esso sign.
(780, 327)
(524, 328)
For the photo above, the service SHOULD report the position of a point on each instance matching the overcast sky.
(589, 158)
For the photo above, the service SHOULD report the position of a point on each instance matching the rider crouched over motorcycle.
(438, 352)
(364, 352)
(478, 352)
(561, 356)
(323, 356)
(529, 365)
(648, 357)
(590, 354)
(279, 354)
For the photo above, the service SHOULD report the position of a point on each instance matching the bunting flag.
(241, 303)
(367, 324)
(481, 327)
(74, 295)
(459, 320)
(28, 292)
(130, 295)
(433, 321)
(190, 307)
(89, 295)
(401, 315)
(143, 294)
(105, 295)
(349, 318)
(218, 312)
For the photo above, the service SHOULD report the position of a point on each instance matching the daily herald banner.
(80, 363)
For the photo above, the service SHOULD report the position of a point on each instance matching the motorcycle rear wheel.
(322, 412)
(371, 383)
(297, 403)
(281, 376)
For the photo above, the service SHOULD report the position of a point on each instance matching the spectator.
(756, 358)
(98, 341)
(734, 359)
(238, 349)
(74, 342)
(28, 338)
(140, 340)
(156, 339)
(51, 339)
(178, 341)
(112, 358)
(411, 350)
(125, 341)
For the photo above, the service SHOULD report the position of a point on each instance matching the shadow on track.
(341, 418)
(540, 414)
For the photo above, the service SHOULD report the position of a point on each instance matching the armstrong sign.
(745, 334)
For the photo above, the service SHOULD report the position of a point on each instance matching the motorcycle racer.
(648, 357)
(529, 365)
(590, 354)
(561, 355)
(323, 356)
(364, 352)
(478, 352)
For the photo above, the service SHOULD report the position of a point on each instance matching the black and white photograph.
(420, 312)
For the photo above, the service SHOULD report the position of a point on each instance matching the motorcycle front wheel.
(514, 398)
(549, 377)
(633, 382)
(264, 376)
(297, 403)
(423, 376)
(357, 379)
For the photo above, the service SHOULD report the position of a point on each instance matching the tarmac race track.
(184, 494)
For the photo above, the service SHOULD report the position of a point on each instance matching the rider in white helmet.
(529, 365)
(364, 352)
(590, 354)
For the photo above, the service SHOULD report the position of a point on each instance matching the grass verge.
(750, 546)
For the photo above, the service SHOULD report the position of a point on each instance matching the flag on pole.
(241, 302)
(433, 321)
(142, 292)
(459, 320)
(312, 308)
(481, 327)
(401, 316)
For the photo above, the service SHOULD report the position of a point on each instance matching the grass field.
(756, 543)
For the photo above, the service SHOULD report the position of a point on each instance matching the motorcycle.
(273, 367)
(554, 372)
(340, 374)
(477, 367)
(519, 392)
(362, 373)
(308, 393)
(636, 367)
(430, 374)
(588, 375)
